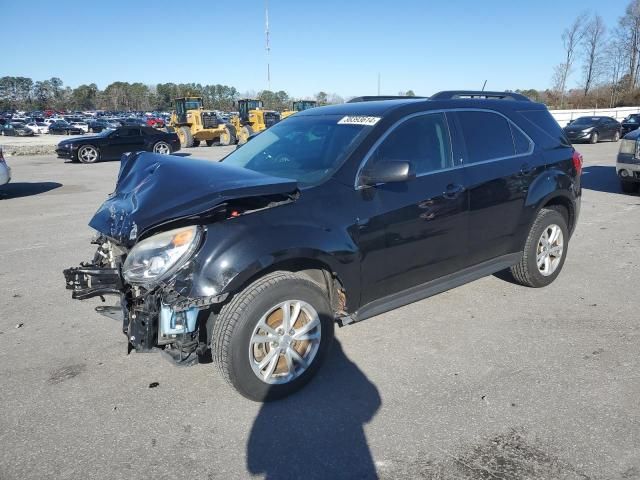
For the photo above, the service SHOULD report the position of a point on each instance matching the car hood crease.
(153, 189)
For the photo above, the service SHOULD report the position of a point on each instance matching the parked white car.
(38, 127)
(84, 126)
(5, 171)
(51, 120)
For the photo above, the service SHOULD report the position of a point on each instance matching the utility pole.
(267, 46)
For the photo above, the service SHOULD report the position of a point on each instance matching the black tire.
(186, 138)
(196, 143)
(593, 138)
(230, 137)
(616, 136)
(210, 142)
(628, 187)
(245, 132)
(526, 272)
(235, 324)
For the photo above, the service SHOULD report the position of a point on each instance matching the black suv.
(334, 215)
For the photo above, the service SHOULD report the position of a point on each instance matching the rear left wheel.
(271, 338)
(545, 250)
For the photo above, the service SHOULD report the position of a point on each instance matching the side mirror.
(391, 171)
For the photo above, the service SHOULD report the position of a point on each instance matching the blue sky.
(331, 45)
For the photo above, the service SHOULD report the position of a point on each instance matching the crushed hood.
(154, 189)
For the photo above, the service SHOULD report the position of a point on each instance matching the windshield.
(306, 149)
(192, 104)
(631, 119)
(585, 121)
(61, 123)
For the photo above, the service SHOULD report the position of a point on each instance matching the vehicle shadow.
(318, 432)
(26, 189)
(601, 178)
(181, 154)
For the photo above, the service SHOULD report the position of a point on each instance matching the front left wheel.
(272, 337)
(88, 154)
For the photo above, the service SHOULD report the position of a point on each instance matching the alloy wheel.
(88, 154)
(161, 148)
(285, 341)
(550, 250)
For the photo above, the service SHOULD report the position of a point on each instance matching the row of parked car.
(28, 126)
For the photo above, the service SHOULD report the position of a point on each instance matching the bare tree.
(614, 62)
(593, 42)
(629, 25)
(571, 38)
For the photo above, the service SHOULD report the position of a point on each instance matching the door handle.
(453, 190)
(525, 169)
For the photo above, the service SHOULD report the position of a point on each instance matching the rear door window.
(487, 136)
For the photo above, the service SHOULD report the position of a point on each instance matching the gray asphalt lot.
(490, 380)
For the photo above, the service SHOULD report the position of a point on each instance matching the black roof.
(442, 100)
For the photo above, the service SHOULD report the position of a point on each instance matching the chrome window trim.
(454, 167)
(384, 136)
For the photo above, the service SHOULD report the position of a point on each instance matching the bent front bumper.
(151, 319)
(89, 280)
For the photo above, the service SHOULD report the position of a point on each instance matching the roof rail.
(454, 94)
(374, 98)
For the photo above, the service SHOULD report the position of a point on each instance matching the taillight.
(577, 162)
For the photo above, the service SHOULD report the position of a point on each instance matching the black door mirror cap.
(388, 171)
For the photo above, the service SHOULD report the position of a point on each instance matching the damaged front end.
(151, 232)
(153, 315)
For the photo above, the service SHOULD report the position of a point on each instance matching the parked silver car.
(5, 171)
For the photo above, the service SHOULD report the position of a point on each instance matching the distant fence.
(565, 116)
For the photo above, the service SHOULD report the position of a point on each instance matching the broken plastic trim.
(90, 280)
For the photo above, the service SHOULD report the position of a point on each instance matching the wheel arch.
(553, 187)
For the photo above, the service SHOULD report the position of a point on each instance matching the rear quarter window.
(544, 122)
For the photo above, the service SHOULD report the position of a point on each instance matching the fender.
(553, 185)
(237, 250)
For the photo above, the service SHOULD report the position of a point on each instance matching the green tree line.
(22, 93)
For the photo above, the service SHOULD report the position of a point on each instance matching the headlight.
(160, 255)
(628, 146)
(586, 130)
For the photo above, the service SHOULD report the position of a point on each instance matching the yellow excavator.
(299, 106)
(252, 118)
(194, 124)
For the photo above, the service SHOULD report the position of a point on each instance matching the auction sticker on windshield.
(358, 120)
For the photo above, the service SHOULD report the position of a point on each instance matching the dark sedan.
(593, 129)
(16, 129)
(111, 144)
(631, 123)
(64, 128)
